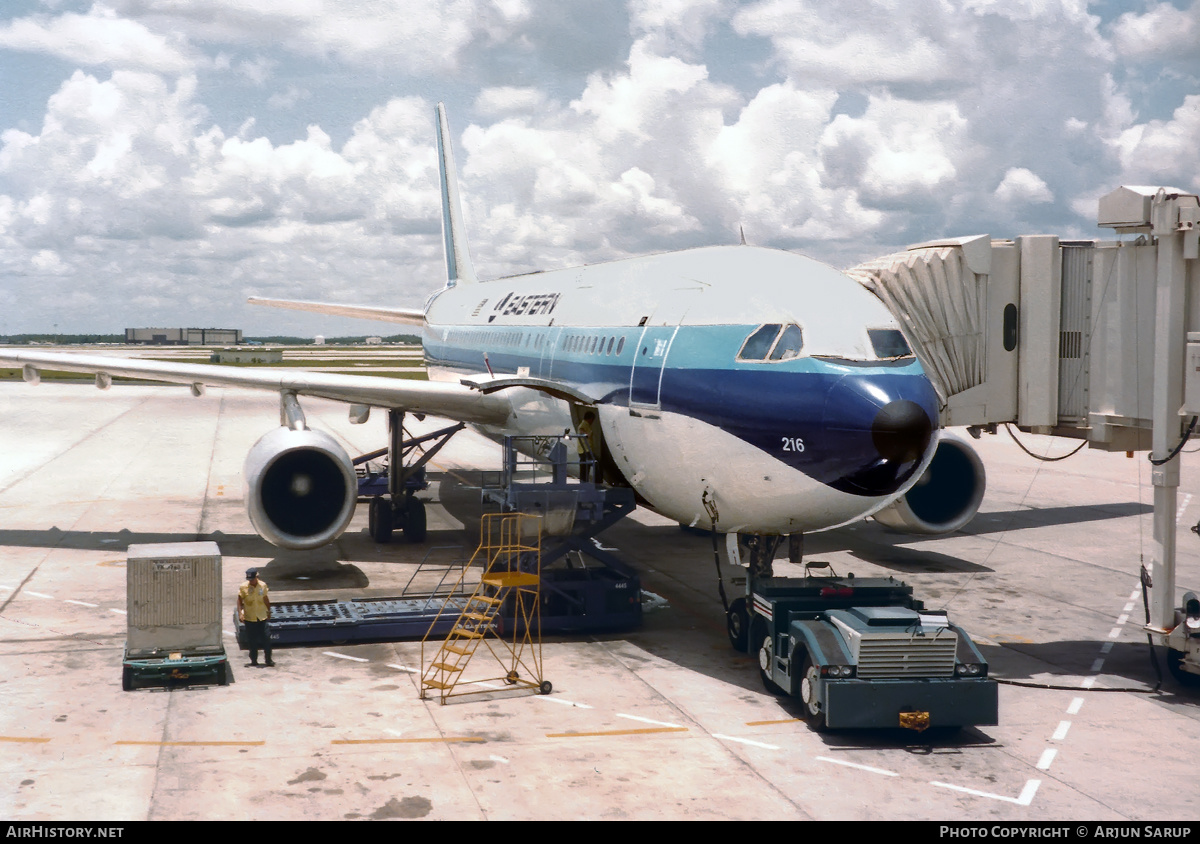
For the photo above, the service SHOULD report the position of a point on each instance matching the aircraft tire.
(414, 521)
(737, 625)
(814, 716)
(127, 679)
(1183, 678)
(764, 651)
(379, 520)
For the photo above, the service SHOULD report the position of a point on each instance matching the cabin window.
(759, 343)
(610, 346)
(888, 343)
(789, 344)
(620, 345)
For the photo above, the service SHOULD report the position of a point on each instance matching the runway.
(667, 722)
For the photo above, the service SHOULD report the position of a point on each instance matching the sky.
(161, 160)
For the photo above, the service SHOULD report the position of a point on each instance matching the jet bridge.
(1088, 339)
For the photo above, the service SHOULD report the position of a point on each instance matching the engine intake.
(946, 497)
(300, 488)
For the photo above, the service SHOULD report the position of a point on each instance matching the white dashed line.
(79, 603)
(1061, 732)
(1097, 665)
(867, 768)
(403, 668)
(647, 720)
(117, 611)
(1024, 799)
(38, 594)
(499, 759)
(1047, 757)
(1076, 705)
(563, 701)
(345, 656)
(750, 742)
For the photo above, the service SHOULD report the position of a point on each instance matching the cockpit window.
(789, 344)
(888, 343)
(773, 342)
(758, 344)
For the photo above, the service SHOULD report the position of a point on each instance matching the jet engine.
(946, 497)
(300, 488)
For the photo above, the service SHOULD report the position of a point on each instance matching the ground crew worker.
(254, 609)
(584, 443)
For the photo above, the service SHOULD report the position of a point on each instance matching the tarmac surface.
(666, 722)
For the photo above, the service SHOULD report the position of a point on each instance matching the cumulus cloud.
(1164, 151)
(1163, 30)
(676, 26)
(99, 37)
(862, 43)
(416, 37)
(198, 154)
(1021, 185)
(126, 187)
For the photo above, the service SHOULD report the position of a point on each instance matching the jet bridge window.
(773, 342)
(888, 343)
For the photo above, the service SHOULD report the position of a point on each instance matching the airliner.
(746, 390)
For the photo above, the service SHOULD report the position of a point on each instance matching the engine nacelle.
(946, 497)
(300, 488)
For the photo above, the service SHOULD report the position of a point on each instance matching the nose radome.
(878, 431)
(901, 431)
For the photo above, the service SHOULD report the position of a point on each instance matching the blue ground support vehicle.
(862, 652)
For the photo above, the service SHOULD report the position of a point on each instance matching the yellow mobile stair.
(510, 554)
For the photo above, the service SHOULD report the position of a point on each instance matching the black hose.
(1146, 584)
(1176, 449)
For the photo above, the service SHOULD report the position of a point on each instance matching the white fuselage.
(748, 377)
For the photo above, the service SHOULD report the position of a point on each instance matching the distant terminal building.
(182, 336)
(259, 355)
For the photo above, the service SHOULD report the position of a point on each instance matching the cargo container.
(173, 601)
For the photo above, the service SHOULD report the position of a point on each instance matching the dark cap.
(251, 574)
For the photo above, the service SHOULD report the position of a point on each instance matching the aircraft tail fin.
(454, 238)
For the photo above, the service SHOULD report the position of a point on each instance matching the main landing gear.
(393, 493)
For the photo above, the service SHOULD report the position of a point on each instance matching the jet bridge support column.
(1169, 346)
(1172, 217)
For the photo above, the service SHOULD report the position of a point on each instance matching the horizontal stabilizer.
(404, 316)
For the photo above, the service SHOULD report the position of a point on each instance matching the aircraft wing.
(453, 401)
(405, 316)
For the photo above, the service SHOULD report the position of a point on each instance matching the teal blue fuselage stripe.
(813, 414)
